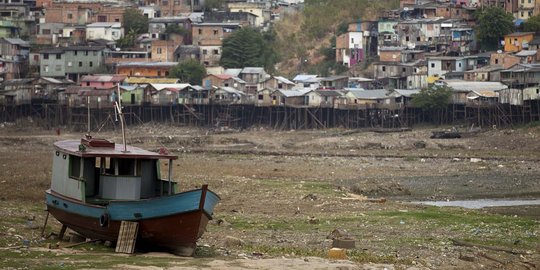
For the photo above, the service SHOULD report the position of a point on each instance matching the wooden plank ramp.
(127, 237)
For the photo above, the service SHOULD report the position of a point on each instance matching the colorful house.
(145, 69)
(516, 42)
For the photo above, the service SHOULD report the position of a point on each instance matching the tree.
(532, 24)
(432, 100)
(190, 71)
(247, 47)
(135, 21)
(492, 24)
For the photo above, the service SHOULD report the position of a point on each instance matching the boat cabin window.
(117, 166)
(75, 167)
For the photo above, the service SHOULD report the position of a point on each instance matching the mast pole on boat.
(119, 108)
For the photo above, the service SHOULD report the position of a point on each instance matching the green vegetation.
(248, 47)
(135, 23)
(433, 101)
(492, 24)
(532, 24)
(306, 41)
(190, 71)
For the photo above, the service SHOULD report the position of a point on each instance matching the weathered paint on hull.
(177, 233)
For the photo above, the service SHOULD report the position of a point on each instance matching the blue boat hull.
(172, 222)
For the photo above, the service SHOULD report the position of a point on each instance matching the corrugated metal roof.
(407, 92)
(292, 93)
(231, 90)
(252, 70)
(233, 71)
(329, 93)
(161, 86)
(18, 41)
(303, 77)
(369, 94)
(283, 79)
(526, 53)
(467, 86)
(103, 78)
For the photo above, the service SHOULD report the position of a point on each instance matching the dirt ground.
(284, 193)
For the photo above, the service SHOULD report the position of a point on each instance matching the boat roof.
(117, 151)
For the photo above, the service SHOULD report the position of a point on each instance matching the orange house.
(515, 42)
(145, 69)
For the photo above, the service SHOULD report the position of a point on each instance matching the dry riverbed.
(283, 193)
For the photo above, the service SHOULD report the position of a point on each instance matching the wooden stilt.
(62, 232)
(45, 224)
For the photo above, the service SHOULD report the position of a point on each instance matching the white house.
(349, 49)
(104, 30)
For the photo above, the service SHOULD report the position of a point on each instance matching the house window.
(158, 50)
(261, 97)
(45, 56)
(522, 14)
(403, 69)
(459, 64)
(159, 73)
(433, 65)
(410, 83)
(215, 32)
(102, 18)
(204, 52)
(417, 38)
(280, 86)
(206, 63)
(216, 52)
(87, 83)
(200, 31)
(352, 40)
(165, 2)
(530, 13)
(496, 61)
(70, 16)
(407, 38)
(383, 68)
(74, 52)
(102, 83)
(46, 68)
(90, 64)
(58, 56)
(80, 64)
(86, 53)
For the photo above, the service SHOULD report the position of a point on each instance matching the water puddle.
(482, 203)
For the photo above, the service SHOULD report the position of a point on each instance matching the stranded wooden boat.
(97, 184)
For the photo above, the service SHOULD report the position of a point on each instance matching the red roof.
(223, 76)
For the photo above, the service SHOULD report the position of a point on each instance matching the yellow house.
(515, 42)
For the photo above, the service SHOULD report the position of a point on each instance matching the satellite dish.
(499, 51)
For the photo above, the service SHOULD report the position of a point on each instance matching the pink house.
(102, 81)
